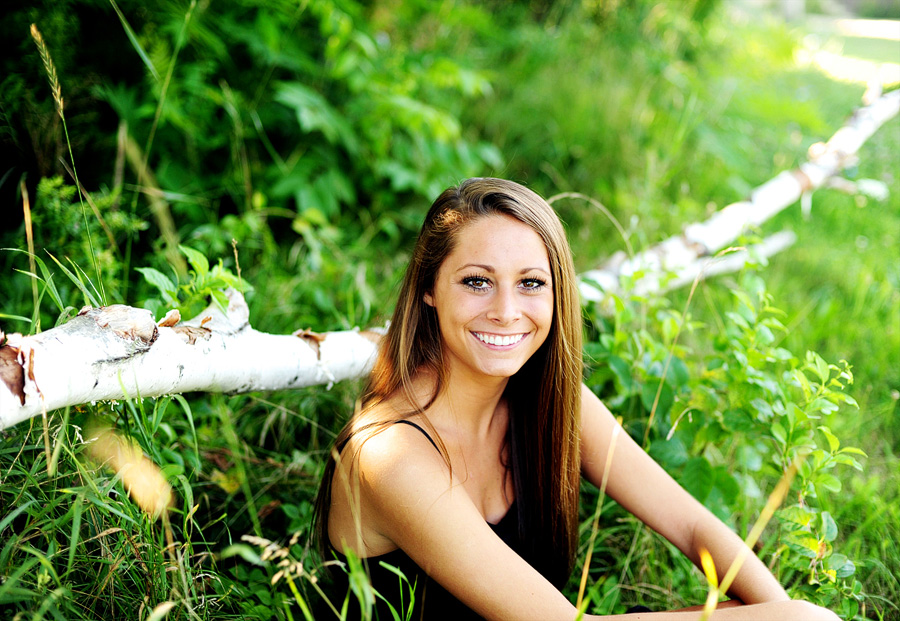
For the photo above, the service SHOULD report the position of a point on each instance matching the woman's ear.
(429, 299)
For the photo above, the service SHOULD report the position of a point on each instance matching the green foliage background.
(315, 134)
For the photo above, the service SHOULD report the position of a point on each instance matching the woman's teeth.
(496, 339)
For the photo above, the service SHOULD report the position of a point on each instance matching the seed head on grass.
(50, 68)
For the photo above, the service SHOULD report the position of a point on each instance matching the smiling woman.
(493, 297)
(463, 464)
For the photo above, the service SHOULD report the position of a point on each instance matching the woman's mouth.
(499, 340)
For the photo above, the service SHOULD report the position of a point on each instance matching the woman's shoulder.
(391, 439)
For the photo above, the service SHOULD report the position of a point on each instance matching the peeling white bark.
(687, 253)
(118, 352)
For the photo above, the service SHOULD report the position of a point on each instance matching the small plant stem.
(237, 263)
(595, 523)
(299, 599)
(109, 234)
(46, 425)
(52, 77)
(606, 212)
(29, 236)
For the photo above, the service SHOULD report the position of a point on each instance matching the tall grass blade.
(77, 509)
(89, 298)
(134, 41)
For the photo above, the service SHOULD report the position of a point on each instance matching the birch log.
(683, 256)
(117, 351)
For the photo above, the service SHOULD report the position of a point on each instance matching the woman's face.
(494, 298)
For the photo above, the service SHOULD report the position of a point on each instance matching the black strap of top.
(425, 433)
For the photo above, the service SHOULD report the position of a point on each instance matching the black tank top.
(431, 600)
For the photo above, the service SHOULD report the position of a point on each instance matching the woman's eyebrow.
(490, 268)
(486, 268)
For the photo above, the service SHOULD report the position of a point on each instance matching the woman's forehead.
(499, 241)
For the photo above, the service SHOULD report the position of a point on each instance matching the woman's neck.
(469, 406)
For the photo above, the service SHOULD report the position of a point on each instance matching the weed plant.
(292, 148)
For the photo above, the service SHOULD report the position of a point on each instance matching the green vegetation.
(314, 134)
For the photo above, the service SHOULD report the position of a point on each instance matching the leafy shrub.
(729, 415)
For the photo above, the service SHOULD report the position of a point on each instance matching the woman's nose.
(504, 307)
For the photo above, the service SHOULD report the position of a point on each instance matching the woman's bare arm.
(408, 500)
(643, 488)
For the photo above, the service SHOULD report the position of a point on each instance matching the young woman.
(462, 466)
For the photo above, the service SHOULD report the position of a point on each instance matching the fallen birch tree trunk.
(683, 256)
(118, 352)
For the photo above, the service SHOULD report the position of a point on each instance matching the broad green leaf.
(622, 371)
(833, 443)
(779, 433)
(197, 260)
(846, 570)
(829, 527)
(698, 478)
(828, 481)
(797, 515)
(159, 280)
(853, 450)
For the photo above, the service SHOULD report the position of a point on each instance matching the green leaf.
(314, 113)
(244, 551)
(833, 443)
(821, 367)
(836, 561)
(622, 371)
(853, 450)
(803, 543)
(738, 420)
(648, 396)
(763, 409)
(828, 481)
(846, 570)
(159, 280)
(829, 527)
(822, 405)
(678, 374)
(797, 515)
(846, 460)
(779, 433)
(221, 300)
(197, 260)
(698, 478)
(669, 453)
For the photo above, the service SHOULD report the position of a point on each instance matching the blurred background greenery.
(315, 134)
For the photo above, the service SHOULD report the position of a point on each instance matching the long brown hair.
(544, 396)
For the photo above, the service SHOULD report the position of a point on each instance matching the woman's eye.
(476, 282)
(533, 284)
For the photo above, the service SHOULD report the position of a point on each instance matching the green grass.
(73, 545)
